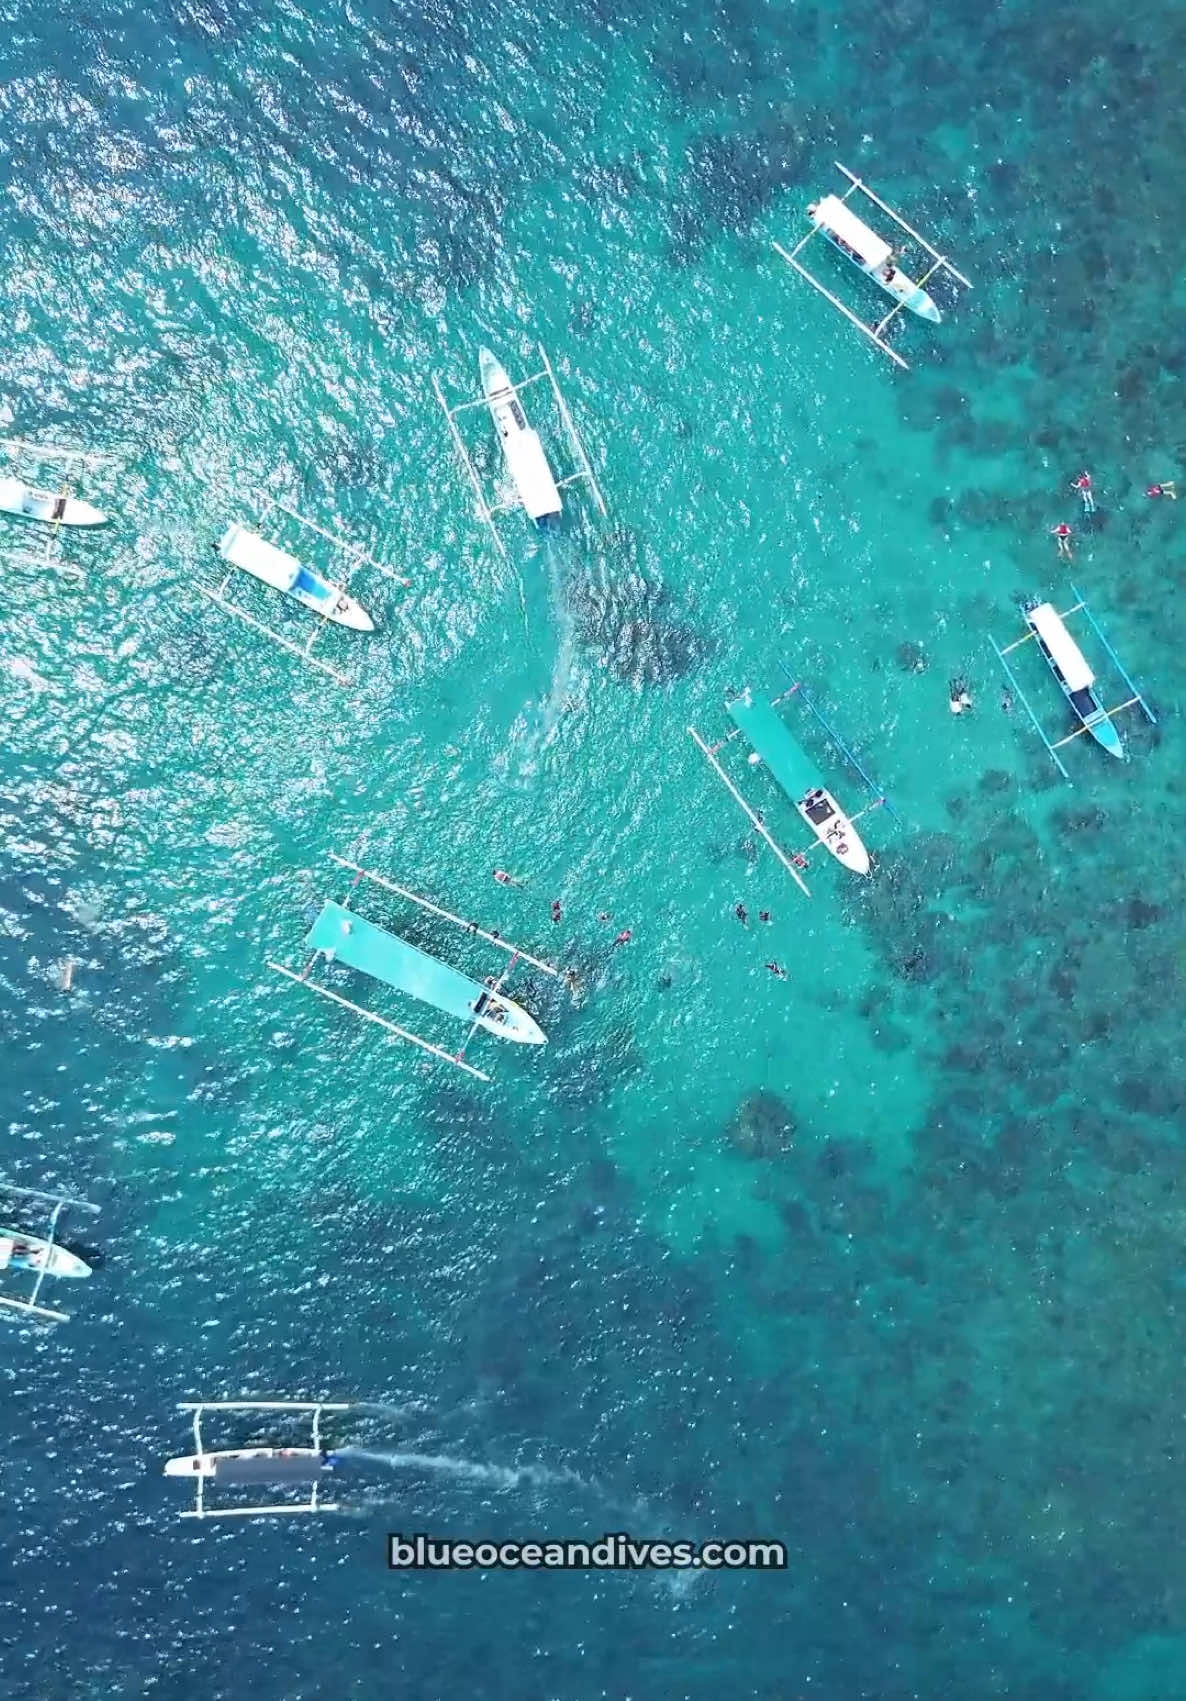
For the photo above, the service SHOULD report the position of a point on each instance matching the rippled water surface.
(882, 1259)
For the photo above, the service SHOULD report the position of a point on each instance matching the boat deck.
(350, 939)
(788, 762)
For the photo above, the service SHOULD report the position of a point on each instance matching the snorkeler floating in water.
(1083, 485)
(959, 700)
(1063, 534)
(740, 912)
(505, 879)
(775, 970)
(1166, 488)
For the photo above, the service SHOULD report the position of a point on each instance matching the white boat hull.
(29, 1252)
(207, 1464)
(279, 570)
(48, 507)
(834, 830)
(521, 447)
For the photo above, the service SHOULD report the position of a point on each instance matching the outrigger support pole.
(1117, 663)
(940, 260)
(756, 819)
(380, 1021)
(446, 915)
(845, 751)
(586, 470)
(1024, 701)
(484, 511)
(853, 318)
(300, 650)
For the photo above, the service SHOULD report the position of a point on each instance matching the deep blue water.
(923, 1324)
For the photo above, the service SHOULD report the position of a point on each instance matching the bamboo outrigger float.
(832, 218)
(773, 746)
(340, 935)
(40, 1255)
(1075, 677)
(244, 549)
(256, 1466)
(537, 489)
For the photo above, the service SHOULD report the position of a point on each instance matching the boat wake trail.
(543, 717)
(468, 1470)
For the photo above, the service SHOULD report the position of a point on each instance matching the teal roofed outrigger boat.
(1076, 679)
(340, 935)
(796, 773)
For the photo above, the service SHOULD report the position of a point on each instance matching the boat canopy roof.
(1065, 653)
(532, 474)
(255, 555)
(787, 761)
(297, 1465)
(350, 939)
(831, 213)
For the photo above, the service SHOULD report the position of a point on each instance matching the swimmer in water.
(623, 937)
(740, 912)
(775, 970)
(505, 879)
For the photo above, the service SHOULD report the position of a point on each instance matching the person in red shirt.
(1083, 485)
(1063, 534)
(1169, 488)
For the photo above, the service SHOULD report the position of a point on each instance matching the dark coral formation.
(762, 1126)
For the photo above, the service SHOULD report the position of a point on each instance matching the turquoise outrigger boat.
(340, 935)
(1076, 679)
(796, 773)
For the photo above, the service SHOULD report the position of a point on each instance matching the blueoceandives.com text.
(620, 1552)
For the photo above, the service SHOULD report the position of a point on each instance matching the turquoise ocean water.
(884, 1259)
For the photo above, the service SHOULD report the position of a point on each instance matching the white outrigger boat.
(796, 774)
(51, 507)
(832, 218)
(1075, 676)
(536, 486)
(246, 550)
(275, 567)
(40, 1255)
(340, 935)
(28, 499)
(256, 1466)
